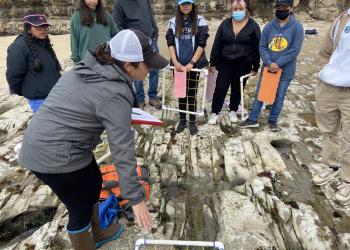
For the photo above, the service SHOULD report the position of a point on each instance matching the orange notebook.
(269, 85)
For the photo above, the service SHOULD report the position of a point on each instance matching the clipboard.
(138, 116)
(269, 85)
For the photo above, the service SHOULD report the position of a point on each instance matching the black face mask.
(282, 14)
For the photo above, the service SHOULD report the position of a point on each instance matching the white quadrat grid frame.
(241, 81)
(177, 244)
(171, 103)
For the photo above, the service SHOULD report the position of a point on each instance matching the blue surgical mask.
(238, 15)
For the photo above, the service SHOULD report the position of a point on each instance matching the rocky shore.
(250, 189)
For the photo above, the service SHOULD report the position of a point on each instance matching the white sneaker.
(325, 176)
(239, 111)
(343, 194)
(17, 148)
(213, 119)
(233, 117)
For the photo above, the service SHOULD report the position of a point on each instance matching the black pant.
(190, 101)
(78, 191)
(229, 74)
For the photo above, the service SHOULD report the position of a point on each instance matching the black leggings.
(228, 75)
(78, 190)
(191, 96)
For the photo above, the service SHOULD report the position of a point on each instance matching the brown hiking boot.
(82, 240)
(142, 105)
(155, 103)
(102, 236)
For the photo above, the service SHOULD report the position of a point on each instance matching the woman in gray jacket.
(96, 95)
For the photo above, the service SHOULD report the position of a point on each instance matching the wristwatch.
(192, 62)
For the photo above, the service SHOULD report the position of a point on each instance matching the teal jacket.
(85, 38)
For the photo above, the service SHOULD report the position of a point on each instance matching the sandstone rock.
(169, 175)
(32, 197)
(241, 226)
(59, 12)
(50, 236)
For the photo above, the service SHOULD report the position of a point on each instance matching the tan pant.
(333, 120)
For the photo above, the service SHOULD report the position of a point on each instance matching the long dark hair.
(38, 64)
(248, 7)
(103, 56)
(86, 17)
(180, 22)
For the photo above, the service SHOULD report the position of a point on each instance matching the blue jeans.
(153, 81)
(277, 105)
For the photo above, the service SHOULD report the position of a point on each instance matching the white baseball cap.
(134, 46)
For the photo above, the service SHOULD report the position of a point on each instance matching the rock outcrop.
(59, 12)
(326, 10)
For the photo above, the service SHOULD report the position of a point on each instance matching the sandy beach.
(61, 44)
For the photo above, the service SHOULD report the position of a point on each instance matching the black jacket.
(199, 40)
(135, 14)
(23, 80)
(245, 46)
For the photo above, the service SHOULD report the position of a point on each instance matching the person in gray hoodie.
(96, 95)
(138, 14)
(280, 45)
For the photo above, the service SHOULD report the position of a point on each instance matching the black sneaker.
(181, 126)
(273, 126)
(193, 128)
(248, 124)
